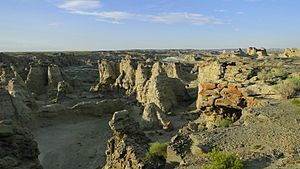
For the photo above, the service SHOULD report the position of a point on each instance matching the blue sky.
(47, 25)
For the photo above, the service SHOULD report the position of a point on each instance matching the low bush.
(157, 151)
(224, 160)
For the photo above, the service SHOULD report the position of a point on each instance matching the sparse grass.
(268, 75)
(223, 123)
(289, 87)
(295, 102)
(294, 80)
(224, 160)
(156, 151)
(286, 89)
(279, 72)
(256, 147)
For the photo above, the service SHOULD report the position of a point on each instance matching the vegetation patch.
(289, 87)
(157, 151)
(296, 102)
(223, 123)
(224, 160)
(257, 147)
(268, 75)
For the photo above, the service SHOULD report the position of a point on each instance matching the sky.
(76, 25)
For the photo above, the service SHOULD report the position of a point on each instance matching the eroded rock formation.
(165, 92)
(154, 118)
(126, 79)
(259, 53)
(291, 52)
(108, 73)
(220, 98)
(127, 147)
(37, 80)
(17, 148)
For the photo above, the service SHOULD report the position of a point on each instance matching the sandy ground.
(73, 143)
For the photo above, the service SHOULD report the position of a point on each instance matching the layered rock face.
(16, 102)
(126, 79)
(37, 80)
(142, 75)
(150, 83)
(17, 148)
(127, 147)
(163, 91)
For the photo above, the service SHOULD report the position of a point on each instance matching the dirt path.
(79, 144)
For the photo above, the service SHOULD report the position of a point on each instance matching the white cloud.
(116, 15)
(240, 13)
(73, 5)
(185, 17)
(220, 10)
(89, 8)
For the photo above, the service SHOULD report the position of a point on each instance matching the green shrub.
(156, 151)
(224, 160)
(223, 123)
